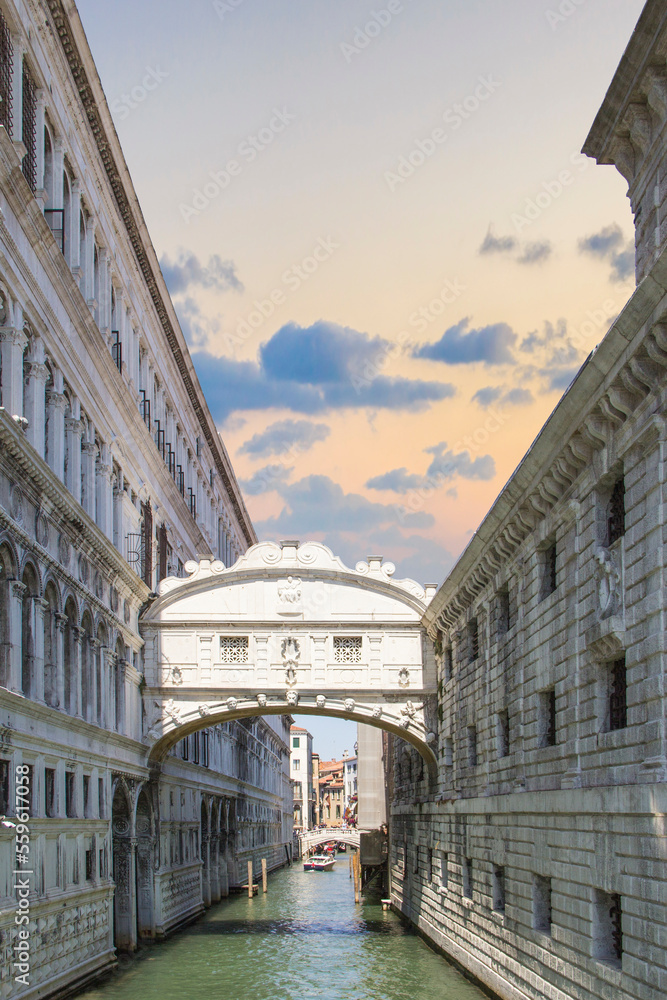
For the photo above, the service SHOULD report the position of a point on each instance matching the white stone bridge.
(315, 838)
(289, 629)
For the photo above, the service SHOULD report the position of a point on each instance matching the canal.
(305, 940)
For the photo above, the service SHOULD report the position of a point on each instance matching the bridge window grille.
(542, 904)
(547, 718)
(6, 57)
(29, 134)
(467, 878)
(499, 889)
(616, 512)
(618, 695)
(549, 571)
(234, 649)
(347, 649)
(607, 927)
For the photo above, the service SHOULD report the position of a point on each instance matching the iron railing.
(6, 56)
(117, 350)
(145, 405)
(29, 133)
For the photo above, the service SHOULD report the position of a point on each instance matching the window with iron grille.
(192, 499)
(607, 927)
(29, 133)
(618, 695)
(547, 718)
(147, 544)
(473, 640)
(117, 350)
(145, 405)
(549, 572)
(234, 649)
(180, 479)
(542, 904)
(467, 878)
(347, 649)
(503, 733)
(499, 889)
(616, 512)
(504, 611)
(163, 549)
(6, 56)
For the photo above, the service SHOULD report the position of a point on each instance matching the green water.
(305, 940)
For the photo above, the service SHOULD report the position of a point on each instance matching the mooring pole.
(250, 885)
(265, 885)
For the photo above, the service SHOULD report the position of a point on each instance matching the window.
(234, 648)
(547, 719)
(49, 792)
(447, 664)
(549, 571)
(4, 788)
(347, 649)
(89, 866)
(473, 640)
(607, 927)
(616, 512)
(472, 746)
(444, 870)
(499, 889)
(542, 904)
(296, 765)
(29, 165)
(429, 865)
(6, 56)
(296, 742)
(503, 733)
(70, 804)
(204, 744)
(618, 695)
(504, 611)
(449, 751)
(100, 797)
(467, 878)
(86, 795)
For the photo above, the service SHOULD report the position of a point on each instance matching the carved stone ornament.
(292, 699)
(321, 701)
(175, 676)
(16, 504)
(64, 551)
(431, 738)
(126, 612)
(609, 579)
(409, 710)
(377, 712)
(261, 700)
(289, 596)
(349, 704)
(172, 710)
(204, 710)
(405, 722)
(404, 677)
(232, 704)
(291, 654)
(83, 570)
(42, 528)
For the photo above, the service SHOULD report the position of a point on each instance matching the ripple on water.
(306, 940)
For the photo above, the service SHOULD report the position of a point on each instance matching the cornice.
(144, 254)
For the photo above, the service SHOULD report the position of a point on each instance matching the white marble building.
(112, 477)
(540, 865)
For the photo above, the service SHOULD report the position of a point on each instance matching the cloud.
(187, 271)
(271, 477)
(497, 244)
(295, 436)
(536, 253)
(311, 370)
(489, 395)
(445, 466)
(559, 380)
(460, 345)
(197, 328)
(611, 245)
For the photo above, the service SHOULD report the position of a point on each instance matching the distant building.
(331, 794)
(371, 783)
(301, 769)
(350, 789)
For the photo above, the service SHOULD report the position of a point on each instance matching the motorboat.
(319, 863)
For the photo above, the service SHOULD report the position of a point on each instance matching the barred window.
(616, 512)
(29, 128)
(618, 695)
(234, 648)
(6, 54)
(347, 649)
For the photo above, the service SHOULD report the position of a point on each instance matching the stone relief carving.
(321, 701)
(349, 704)
(289, 596)
(232, 704)
(204, 710)
(609, 579)
(290, 651)
(261, 700)
(404, 677)
(16, 504)
(377, 712)
(173, 712)
(292, 699)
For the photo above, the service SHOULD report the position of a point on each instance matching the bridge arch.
(289, 629)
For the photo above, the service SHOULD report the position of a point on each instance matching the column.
(88, 453)
(74, 434)
(37, 375)
(110, 666)
(17, 593)
(74, 241)
(77, 657)
(41, 608)
(18, 50)
(206, 868)
(13, 343)
(89, 265)
(40, 193)
(58, 171)
(104, 490)
(92, 714)
(104, 296)
(61, 624)
(214, 869)
(56, 404)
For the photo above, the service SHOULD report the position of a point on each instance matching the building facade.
(112, 478)
(539, 865)
(301, 769)
(349, 789)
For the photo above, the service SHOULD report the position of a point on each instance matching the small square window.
(234, 649)
(547, 719)
(542, 904)
(347, 649)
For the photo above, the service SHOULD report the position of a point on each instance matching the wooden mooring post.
(265, 881)
(251, 888)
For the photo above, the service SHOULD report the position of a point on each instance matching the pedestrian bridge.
(314, 838)
(289, 629)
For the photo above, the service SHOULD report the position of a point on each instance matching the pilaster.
(13, 343)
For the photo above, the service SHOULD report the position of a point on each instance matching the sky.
(386, 251)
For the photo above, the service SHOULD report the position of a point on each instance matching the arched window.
(99, 646)
(67, 215)
(87, 667)
(6, 575)
(119, 686)
(28, 632)
(70, 657)
(51, 647)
